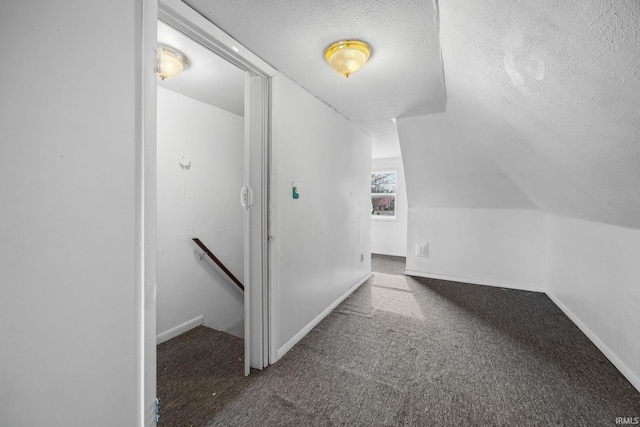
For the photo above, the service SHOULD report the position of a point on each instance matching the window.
(383, 195)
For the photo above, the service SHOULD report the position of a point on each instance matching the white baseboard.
(609, 354)
(473, 281)
(180, 329)
(297, 337)
(398, 254)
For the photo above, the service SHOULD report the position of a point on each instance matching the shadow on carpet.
(405, 352)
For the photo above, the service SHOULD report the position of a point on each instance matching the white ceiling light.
(347, 56)
(170, 62)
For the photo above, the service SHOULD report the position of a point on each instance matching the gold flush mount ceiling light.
(347, 56)
(170, 62)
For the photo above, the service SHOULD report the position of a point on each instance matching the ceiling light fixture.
(347, 56)
(170, 62)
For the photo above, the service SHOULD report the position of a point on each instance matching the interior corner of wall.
(545, 251)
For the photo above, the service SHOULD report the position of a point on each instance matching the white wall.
(479, 225)
(389, 237)
(482, 228)
(445, 169)
(319, 238)
(201, 201)
(499, 247)
(593, 273)
(70, 218)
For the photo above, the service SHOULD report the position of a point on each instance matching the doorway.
(252, 195)
(200, 171)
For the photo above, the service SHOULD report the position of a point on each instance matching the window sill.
(383, 218)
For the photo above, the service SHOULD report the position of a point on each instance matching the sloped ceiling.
(443, 170)
(546, 90)
(403, 77)
(208, 78)
(550, 90)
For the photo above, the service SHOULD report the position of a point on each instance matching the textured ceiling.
(550, 90)
(208, 78)
(547, 90)
(403, 77)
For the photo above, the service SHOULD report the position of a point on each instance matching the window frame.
(394, 194)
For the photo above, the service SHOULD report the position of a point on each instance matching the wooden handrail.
(219, 263)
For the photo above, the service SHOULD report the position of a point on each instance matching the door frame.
(257, 147)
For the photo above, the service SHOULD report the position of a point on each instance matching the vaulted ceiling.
(550, 91)
(546, 93)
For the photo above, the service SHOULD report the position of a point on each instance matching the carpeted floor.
(405, 352)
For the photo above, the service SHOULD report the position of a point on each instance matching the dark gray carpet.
(405, 352)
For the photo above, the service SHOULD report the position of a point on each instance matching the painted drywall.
(549, 90)
(202, 201)
(319, 238)
(444, 169)
(70, 217)
(479, 226)
(593, 274)
(497, 247)
(389, 237)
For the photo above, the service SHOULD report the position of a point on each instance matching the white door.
(253, 197)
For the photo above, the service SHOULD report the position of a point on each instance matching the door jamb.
(180, 16)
